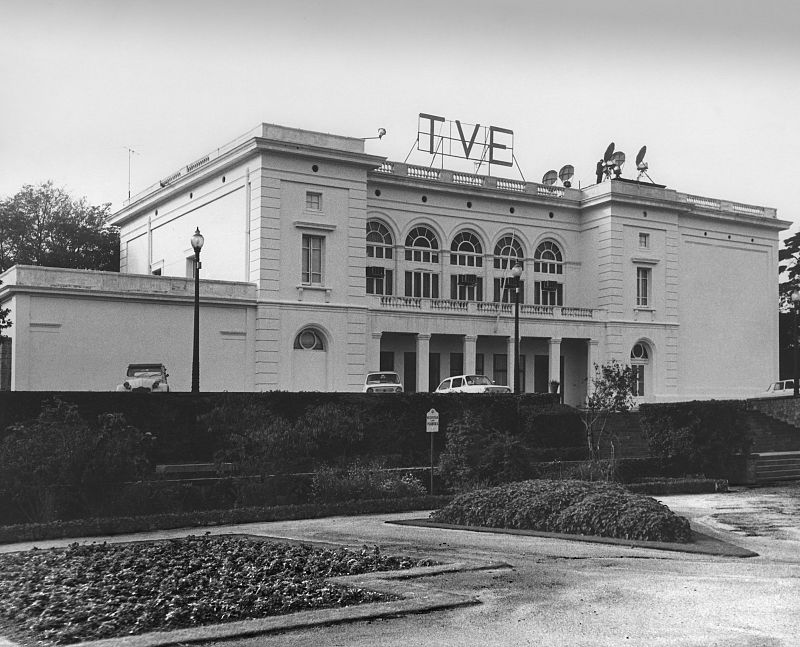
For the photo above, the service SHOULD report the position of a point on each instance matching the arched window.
(379, 240)
(640, 361)
(547, 258)
(507, 252)
(309, 339)
(422, 246)
(466, 250)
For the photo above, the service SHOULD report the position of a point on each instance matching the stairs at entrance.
(777, 445)
(778, 466)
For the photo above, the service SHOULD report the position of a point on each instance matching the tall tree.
(789, 269)
(44, 225)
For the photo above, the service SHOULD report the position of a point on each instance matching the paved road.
(562, 593)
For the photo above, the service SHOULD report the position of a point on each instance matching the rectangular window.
(479, 363)
(312, 259)
(379, 281)
(548, 293)
(422, 284)
(190, 267)
(500, 373)
(638, 370)
(642, 287)
(505, 294)
(644, 240)
(313, 201)
(466, 287)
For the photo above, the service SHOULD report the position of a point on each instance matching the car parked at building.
(470, 384)
(778, 389)
(146, 378)
(383, 382)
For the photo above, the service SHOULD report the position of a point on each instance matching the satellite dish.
(550, 178)
(640, 157)
(565, 174)
(609, 152)
(619, 159)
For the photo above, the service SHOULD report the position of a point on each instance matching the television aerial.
(641, 165)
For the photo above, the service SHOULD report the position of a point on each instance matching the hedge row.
(255, 514)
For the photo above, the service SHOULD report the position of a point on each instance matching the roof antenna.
(131, 152)
(381, 133)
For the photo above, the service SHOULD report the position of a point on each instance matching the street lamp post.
(795, 341)
(516, 272)
(197, 245)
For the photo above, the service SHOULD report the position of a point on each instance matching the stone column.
(555, 360)
(511, 363)
(423, 361)
(591, 358)
(470, 345)
(372, 359)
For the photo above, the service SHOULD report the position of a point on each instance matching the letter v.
(467, 149)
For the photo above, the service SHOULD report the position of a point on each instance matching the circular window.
(315, 168)
(309, 339)
(639, 352)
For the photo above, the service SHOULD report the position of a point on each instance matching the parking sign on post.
(432, 421)
(432, 427)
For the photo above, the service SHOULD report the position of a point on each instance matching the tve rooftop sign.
(439, 136)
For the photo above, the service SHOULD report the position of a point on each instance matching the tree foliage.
(613, 389)
(5, 322)
(789, 269)
(44, 225)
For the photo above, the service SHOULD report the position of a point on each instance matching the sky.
(712, 88)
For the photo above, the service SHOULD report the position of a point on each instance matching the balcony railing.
(487, 308)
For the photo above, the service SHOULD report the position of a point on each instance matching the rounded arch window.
(548, 259)
(422, 246)
(379, 240)
(467, 250)
(507, 253)
(309, 339)
(640, 363)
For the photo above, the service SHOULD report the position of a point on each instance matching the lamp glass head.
(197, 240)
(516, 271)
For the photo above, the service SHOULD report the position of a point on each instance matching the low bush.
(363, 481)
(696, 437)
(572, 507)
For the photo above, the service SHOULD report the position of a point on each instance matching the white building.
(322, 262)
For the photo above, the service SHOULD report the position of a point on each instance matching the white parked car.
(147, 378)
(383, 382)
(470, 384)
(778, 389)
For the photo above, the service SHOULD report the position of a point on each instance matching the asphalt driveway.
(564, 593)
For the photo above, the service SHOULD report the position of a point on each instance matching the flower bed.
(89, 592)
(571, 507)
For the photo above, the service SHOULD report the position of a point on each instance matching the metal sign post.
(432, 427)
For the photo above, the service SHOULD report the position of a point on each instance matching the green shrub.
(573, 507)
(58, 453)
(696, 437)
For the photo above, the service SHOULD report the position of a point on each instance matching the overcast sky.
(711, 87)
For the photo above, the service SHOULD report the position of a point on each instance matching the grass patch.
(570, 507)
(90, 592)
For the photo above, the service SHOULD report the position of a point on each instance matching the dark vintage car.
(146, 378)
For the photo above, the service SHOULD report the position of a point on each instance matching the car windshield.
(383, 378)
(480, 380)
(144, 371)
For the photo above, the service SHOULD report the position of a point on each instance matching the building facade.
(322, 262)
